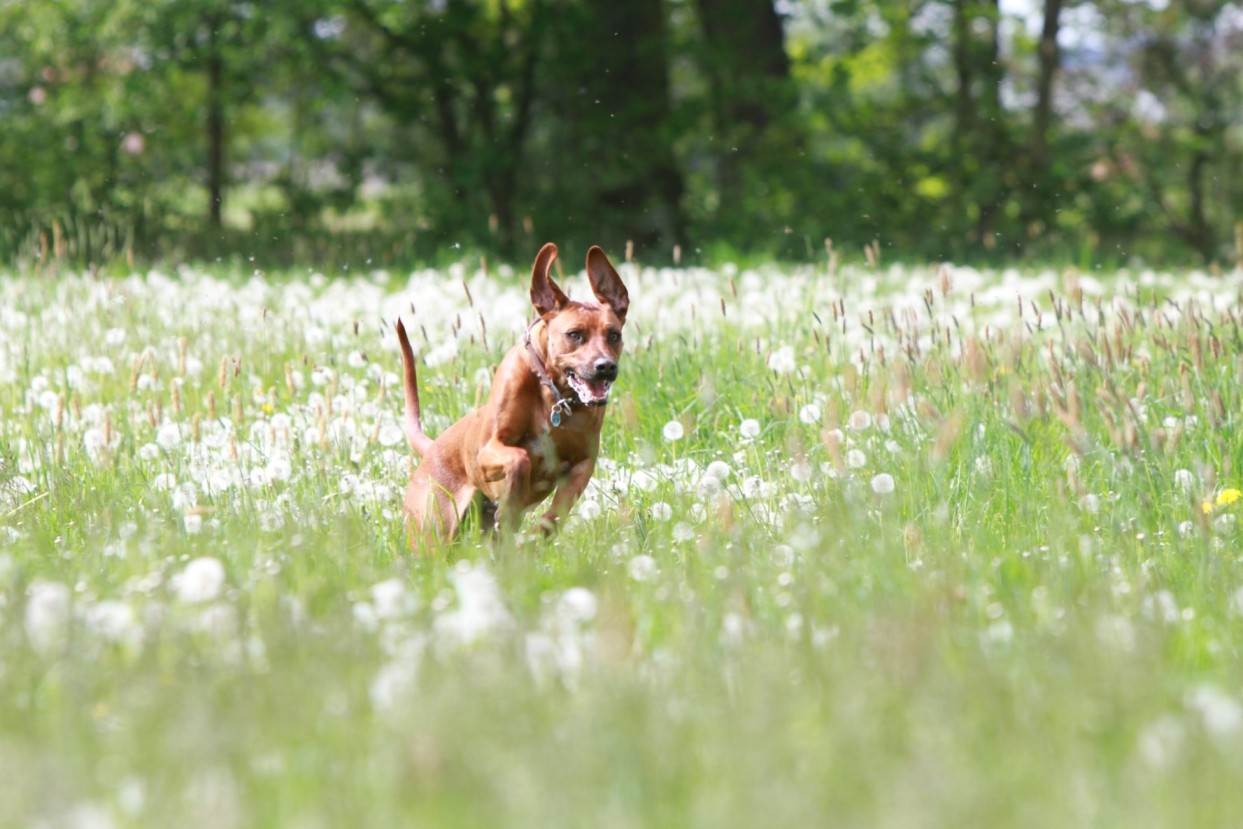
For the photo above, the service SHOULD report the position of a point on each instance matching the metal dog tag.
(558, 408)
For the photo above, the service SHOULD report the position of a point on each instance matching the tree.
(758, 146)
(606, 126)
(1173, 133)
(459, 78)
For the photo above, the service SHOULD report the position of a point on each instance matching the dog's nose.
(605, 367)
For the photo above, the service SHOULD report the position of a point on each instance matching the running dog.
(539, 430)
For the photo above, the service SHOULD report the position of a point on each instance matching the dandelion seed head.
(883, 483)
(577, 605)
(202, 580)
(1220, 712)
(47, 614)
(644, 481)
(782, 360)
(859, 421)
(169, 436)
(588, 509)
(642, 567)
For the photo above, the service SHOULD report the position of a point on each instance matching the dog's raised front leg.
(511, 467)
(568, 492)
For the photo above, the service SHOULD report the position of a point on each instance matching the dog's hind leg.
(435, 512)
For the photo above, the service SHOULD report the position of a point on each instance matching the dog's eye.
(614, 336)
(575, 336)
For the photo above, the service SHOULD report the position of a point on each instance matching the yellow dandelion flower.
(1224, 498)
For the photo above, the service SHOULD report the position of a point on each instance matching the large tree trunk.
(638, 183)
(1050, 61)
(1037, 181)
(980, 133)
(749, 76)
(747, 62)
(215, 125)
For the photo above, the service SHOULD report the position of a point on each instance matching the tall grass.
(925, 547)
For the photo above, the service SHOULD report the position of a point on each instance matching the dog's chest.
(542, 450)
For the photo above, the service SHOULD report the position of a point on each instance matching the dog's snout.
(604, 367)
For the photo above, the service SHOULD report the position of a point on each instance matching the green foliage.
(354, 129)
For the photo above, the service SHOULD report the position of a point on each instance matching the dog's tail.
(419, 442)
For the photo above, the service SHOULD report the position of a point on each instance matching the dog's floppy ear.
(605, 283)
(545, 295)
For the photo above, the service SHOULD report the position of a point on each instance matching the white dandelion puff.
(577, 605)
(47, 614)
(392, 599)
(642, 567)
(202, 580)
(859, 421)
(782, 361)
(588, 509)
(1221, 713)
(883, 484)
(660, 511)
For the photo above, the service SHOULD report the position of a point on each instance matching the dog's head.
(584, 339)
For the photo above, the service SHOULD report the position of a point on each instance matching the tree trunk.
(215, 125)
(1199, 232)
(638, 185)
(980, 134)
(1036, 185)
(1050, 57)
(747, 60)
(749, 77)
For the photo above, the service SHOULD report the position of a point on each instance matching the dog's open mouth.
(594, 392)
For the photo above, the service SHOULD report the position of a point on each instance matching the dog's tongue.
(591, 391)
(599, 389)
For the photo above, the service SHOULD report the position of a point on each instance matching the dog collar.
(564, 405)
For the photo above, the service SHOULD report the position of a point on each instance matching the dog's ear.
(545, 295)
(605, 283)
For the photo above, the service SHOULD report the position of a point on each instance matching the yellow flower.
(1224, 498)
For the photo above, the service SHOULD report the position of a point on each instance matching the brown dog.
(540, 428)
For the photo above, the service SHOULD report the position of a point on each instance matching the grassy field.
(898, 548)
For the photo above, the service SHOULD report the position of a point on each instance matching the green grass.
(1040, 625)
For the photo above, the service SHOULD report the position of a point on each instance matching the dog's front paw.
(547, 524)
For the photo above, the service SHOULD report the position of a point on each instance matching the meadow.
(869, 546)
